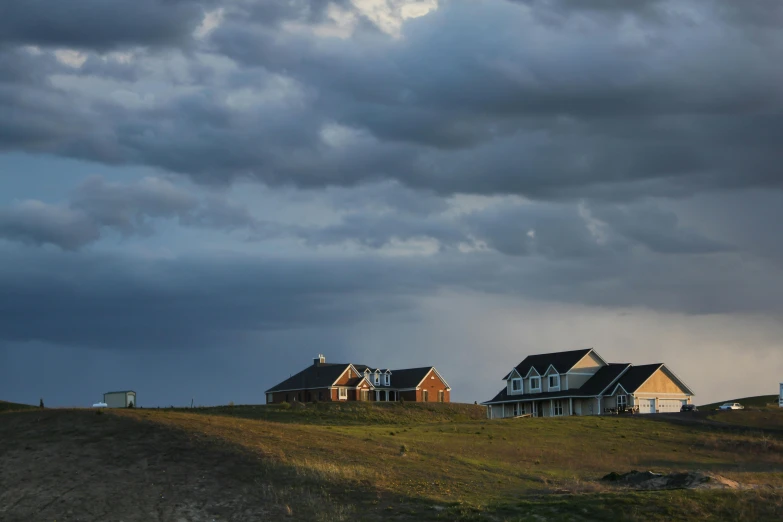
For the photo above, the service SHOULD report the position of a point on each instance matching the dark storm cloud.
(657, 230)
(589, 107)
(552, 231)
(105, 301)
(99, 24)
(131, 303)
(129, 209)
(36, 223)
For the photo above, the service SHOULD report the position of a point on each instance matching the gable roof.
(603, 378)
(633, 379)
(562, 361)
(409, 377)
(314, 376)
(636, 376)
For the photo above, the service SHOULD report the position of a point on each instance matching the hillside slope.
(169, 465)
(760, 401)
(352, 413)
(13, 406)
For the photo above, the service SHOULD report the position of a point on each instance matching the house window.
(269, 398)
(365, 395)
(622, 401)
(386, 379)
(320, 396)
(425, 394)
(377, 378)
(517, 409)
(441, 395)
(558, 408)
(516, 385)
(286, 397)
(343, 394)
(554, 381)
(535, 383)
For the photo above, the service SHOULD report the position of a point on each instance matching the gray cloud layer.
(658, 101)
(127, 209)
(99, 24)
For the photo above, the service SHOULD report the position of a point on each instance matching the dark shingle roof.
(314, 376)
(562, 361)
(325, 374)
(605, 376)
(637, 375)
(504, 396)
(408, 377)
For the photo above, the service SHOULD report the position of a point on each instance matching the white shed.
(120, 399)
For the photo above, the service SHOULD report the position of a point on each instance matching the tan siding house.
(581, 382)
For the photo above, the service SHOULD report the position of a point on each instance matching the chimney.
(319, 360)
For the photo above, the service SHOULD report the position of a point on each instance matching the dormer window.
(516, 385)
(554, 381)
(386, 379)
(535, 384)
(377, 379)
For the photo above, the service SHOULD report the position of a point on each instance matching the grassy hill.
(449, 463)
(13, 406)
(761, 401)
(352, 413)
(398, 462)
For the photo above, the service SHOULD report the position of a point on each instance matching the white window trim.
(539, 384)
(549, 380)
(521, 385)
(342, 394)
(386, 379)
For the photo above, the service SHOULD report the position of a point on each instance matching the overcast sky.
(199, 196)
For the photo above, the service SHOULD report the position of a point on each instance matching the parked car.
(689, 407)
(731, 406)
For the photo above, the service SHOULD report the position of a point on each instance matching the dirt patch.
(647, 480)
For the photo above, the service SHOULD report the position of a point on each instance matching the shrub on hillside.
(284, 406)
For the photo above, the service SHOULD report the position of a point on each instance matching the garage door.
(646, 405)
(669, 405)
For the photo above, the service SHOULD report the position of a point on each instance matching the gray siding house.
(581, 382)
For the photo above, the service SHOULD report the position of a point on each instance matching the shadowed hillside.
(13, 406)
(411, 463)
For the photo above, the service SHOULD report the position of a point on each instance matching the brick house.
(324, 381)
(581, 382)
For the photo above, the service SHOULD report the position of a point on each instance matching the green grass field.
(761, 401)
(447, 462)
